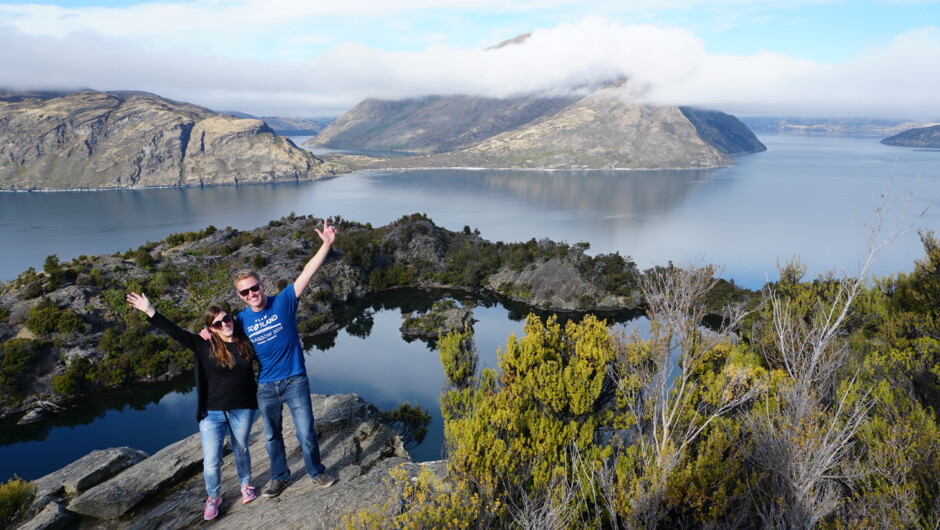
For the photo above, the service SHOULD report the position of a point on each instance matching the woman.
(226, 390)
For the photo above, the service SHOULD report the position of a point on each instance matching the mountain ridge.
(130, 139)
(602, 130)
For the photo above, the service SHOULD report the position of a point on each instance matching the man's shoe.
(324, 480)
(273, 488)
(211, 508)
(248, 493)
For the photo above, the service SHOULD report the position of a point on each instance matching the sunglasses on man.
(254, 289)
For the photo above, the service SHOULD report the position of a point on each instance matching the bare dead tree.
(803, 437)
(658, 381)
(554, 507)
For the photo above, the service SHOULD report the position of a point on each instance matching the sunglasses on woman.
(254, 289)
(227, 319)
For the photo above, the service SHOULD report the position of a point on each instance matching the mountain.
(288, 126)
(921, 137)
(90, 140)
(723, 131)
(833, 126)
(599, 131)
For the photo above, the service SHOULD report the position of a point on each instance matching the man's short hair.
(246, 273)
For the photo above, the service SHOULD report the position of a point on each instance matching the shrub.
(17, 364)
(79, 373)
(32, 291)
(27, 277)
(46, 318)
(143, 258)
(16, 496)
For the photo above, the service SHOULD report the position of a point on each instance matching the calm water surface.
(807, 196)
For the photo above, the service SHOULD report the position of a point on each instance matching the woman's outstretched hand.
(140, 301)
(328, 234)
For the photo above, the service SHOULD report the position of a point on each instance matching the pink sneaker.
(211, 509)
(248, 493)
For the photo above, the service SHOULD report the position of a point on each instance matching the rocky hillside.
(599, 131)
(433, 124)
(927, 137)
(723, 131)
(92, 140)
(67, 330)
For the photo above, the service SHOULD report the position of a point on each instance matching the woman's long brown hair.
(219, 351)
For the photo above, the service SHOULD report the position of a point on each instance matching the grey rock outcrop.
(167, 489)
(439, 321)
(93, 140)
(114, 498)
(88, 471)
(555, 285)
(52, 517)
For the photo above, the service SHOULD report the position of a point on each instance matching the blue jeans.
(212, 430)
(295, 392)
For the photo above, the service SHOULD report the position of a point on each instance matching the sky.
(877, 59)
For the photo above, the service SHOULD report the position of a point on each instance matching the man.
(271, 325)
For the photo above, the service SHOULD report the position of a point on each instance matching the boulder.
(117, 496)
(52, 517)
(84, 473)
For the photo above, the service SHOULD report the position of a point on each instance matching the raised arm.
(328, 235)
(184, 337)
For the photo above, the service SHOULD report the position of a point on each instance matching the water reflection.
(633, 195)
(147, 417)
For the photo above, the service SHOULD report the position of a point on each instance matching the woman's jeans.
(212, 430)
(295, 392)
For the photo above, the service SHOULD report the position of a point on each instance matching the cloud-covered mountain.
(602, 130)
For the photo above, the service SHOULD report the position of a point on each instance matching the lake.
(808, 196)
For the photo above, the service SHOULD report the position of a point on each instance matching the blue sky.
(812, 58)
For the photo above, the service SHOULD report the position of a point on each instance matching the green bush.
(27, 277)
(16, 496)
(45, 318)
(143, 258)
(32, 291)
(185, 237)
(78, 376)
(19, 360)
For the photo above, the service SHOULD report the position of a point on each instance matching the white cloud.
(669, 64)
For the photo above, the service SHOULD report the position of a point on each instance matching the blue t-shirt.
(273, 332)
